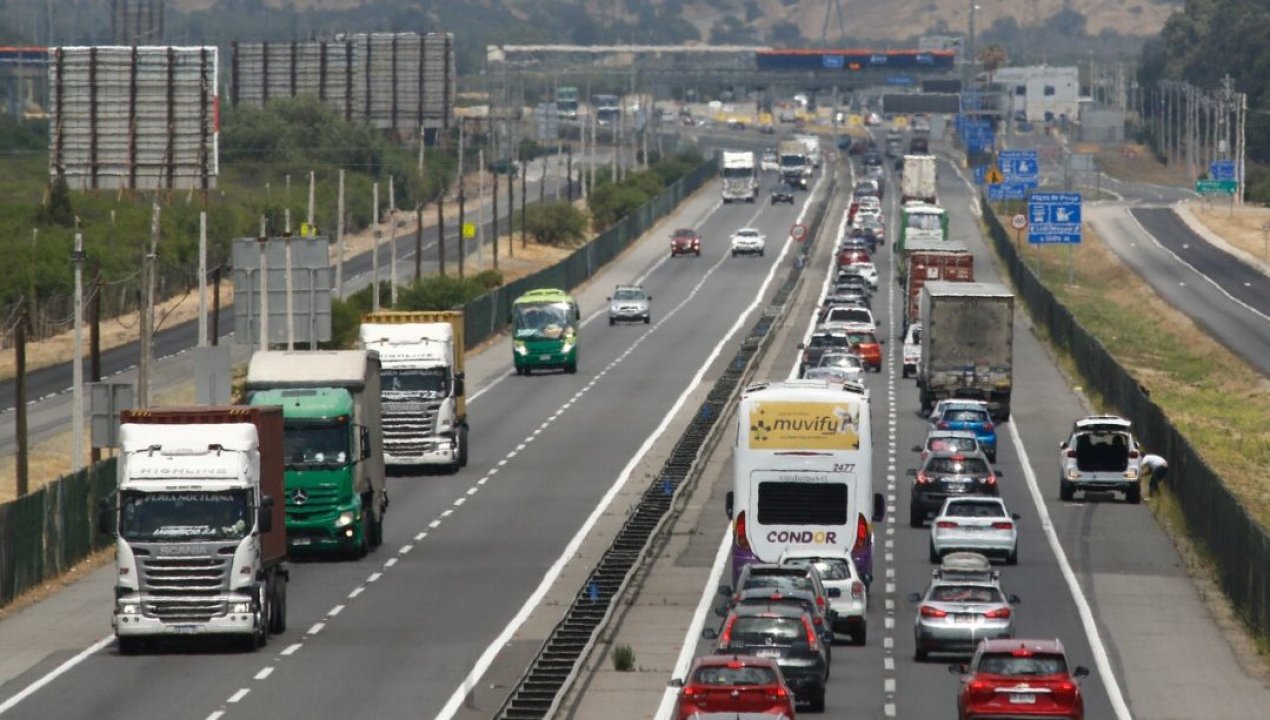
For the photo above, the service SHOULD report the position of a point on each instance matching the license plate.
(1022, 699)
(301, 541)
(964, 617)
(544, 357)
(185, 629)
(767, 653)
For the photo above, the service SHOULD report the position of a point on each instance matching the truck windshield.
(160, 516)
(322, 443)
(792, 161)
(551, 321)
(431, 382)
(738, 173)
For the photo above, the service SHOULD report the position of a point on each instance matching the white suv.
(748, 241)
(837, 570)
(1101, 455)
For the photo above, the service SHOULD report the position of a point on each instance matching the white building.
(1041, 92)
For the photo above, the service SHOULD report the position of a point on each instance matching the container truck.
(795, 169)
(812, 145)
(967, 344)
(930, 260)
(740, 177)
(335, 492)
(918, 180)
(200, 540)
(421, 386)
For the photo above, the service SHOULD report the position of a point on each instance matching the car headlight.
(346, 518)
(519, 347)
(242, 607)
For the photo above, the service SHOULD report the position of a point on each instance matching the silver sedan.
(977, 524)
(952, 617)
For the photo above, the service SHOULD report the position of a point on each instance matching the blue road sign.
(1222, 170)
(1054, 219)
(980, 171)
(833, 62)
(900, 80)
(877, 59)
(1007, 191)
(1019, 165)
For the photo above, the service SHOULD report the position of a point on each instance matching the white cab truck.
(795, 166)
(200, 541)
(740, 177)
(918, 180)
(967, 344)
(812, 144)
(421, 385)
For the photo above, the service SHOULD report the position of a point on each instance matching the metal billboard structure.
(137, 22)
(396, 81)
(311, 282)
(134, 118)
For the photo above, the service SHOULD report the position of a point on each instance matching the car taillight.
(779, 693)
(991, 480)
(1071, 453)
(725, 639)
(739, 537)
(979, 689)
(812, 639)
(861, 535)
(1133, 454)
(946, 524)
(986, 426)
(806, 355)
(998, 614)
(857, 590)
(1063, 692)
(1004, 525)
(688, 692)
(931, 612)
(942, 425)
(923, 478)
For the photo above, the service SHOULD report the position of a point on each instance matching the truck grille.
(318, 501)
(409, 428)
(184, 589)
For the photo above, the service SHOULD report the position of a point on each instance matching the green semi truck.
(333, 442)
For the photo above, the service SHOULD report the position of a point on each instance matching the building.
(1041, 93)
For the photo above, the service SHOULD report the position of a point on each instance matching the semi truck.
(421, 386)
(812, 145)
(740, 176)
(967, 344)
(918, 180)
(200, 540)
(335, 492)
(795, 167)
(931, 260)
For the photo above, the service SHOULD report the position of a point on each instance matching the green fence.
(1213, 513)
(43, 534)
(487, 315)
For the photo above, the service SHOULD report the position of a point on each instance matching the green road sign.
(1216, 187)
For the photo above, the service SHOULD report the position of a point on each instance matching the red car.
(851, 255)
(867, 346)
(1012, 678)
(685, 241)
(734, 684)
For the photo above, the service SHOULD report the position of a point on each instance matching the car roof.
(624, 286)
(949, 454)
(724, 660)
(1103, 421)
(770, 568)
(965, 562)
(962, 434)
(781, 611)
(772, 593)
(958, 500)
(685, 231)
(1027, 645)
(748, 230)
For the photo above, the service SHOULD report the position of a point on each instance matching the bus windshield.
(544, 321)
(924, 221)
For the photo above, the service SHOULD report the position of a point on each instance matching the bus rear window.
(798, 503)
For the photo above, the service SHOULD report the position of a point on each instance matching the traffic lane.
(1115, 552)
(53, 379)
(569, 466)
(1230, 323)
(1241, 281)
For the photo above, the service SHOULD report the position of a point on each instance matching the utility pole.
(462, 215)
(374, 250)
(568, 173)
(392, 241)
(441, 231)
(511, 200)
(312, 203)
(147, 312)
(215, 340)
(77, 368)
(94, 341)
(418, 241)
(1240, 166)
(524, 197)
(263, 243)
(289, 283)
(494, 207)
(339, 241)
(202, 279)
(542, 181)
(19, 400)
(480, 209)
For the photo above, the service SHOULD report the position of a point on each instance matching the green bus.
(920, 220)
(545, 331)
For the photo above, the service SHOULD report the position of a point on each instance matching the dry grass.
(1135, 163)
(1243, 228)
(1217, 401)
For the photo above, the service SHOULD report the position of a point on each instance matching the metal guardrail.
(537, 694)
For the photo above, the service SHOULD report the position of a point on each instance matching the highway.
(1097, 573)
(396, 635)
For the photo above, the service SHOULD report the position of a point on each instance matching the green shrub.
(557, 224)
(623, 657)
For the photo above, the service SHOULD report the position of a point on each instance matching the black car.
(788, 636)
(783, 193)
(872, 160)
(822, 341)
(804, 600)
(949, 474)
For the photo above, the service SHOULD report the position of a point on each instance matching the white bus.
(803, 473)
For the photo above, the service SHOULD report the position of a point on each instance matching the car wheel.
(817, 702)
(733, 253)
(698, 253)
(920, 653)
(860, 635)
(1013, 557)
(760, 253)
(934, 554)
(130, 645)
(571, 368)
(916, 518)
(992, 457)
(1065, 491)
(648, 319)
(1133, 495)
(612, 322)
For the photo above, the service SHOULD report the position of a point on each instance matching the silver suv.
(1101, 455)
(629, 304)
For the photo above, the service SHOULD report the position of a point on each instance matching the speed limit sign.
(1019, 221)
(798, 232)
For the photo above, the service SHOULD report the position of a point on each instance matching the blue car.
(971, 415)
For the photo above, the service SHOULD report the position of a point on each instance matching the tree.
(556, 224)
(992, 58)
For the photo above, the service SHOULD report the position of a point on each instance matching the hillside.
(878, 21)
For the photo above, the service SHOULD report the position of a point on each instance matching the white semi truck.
(422, 396)
(918, 180)
(200, 539)
(740, 176)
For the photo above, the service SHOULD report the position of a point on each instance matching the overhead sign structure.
(833, 62)
(900, 80)
(1019, 165)
(1054, 219)
(311, 284)
(1222, 170)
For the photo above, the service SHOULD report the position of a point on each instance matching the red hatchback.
(1013, 679)
(734, 684)
(852, 255)
(685, 241)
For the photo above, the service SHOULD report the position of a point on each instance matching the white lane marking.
(356, 591)
(390, 562)
(405, 549)
(264, 673)
(335, 611)
(888, 685)
(447, 512)
(216, 715)
(1105, 671)
(420, 536)
(57, 672)
(292, 649)
(242, 693)
(374, 576)
(317, 628)
(434, 524)
(487, 657)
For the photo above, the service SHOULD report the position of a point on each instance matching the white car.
(770, 162)
(975, 524)
(866, 270)
(912, 349)
(748, 241)
(866, 212)
(849, 315)
(839, 366)
(838, 570)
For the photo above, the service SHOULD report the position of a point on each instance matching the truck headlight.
(568, 345)
(129, 608)
(519, 347)
(242, 607)
(346, 518)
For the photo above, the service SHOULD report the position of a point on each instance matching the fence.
(1215, 516)
(45, 533)
(487, 315)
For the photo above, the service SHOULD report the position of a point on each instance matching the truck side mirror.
(264, 515)
(105, 518)
(460, 384)
(364, 436)
(879, 507)
(727, 504)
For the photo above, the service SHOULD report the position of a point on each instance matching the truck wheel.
(571, 368)
(278, 618)
(1065, 491)
(463, 447)
(130, 645)
(926, 404)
